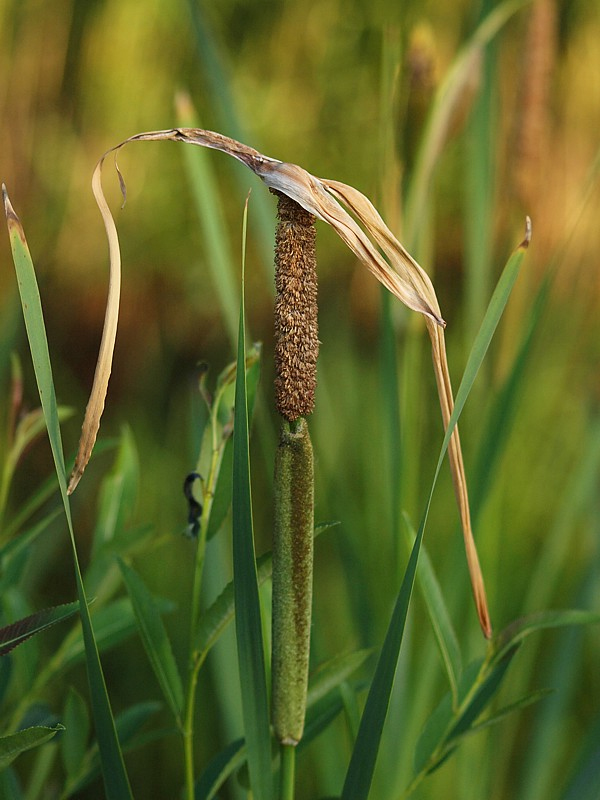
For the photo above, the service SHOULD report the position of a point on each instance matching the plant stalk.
(287, 772)
(296, 351)
(194, 661)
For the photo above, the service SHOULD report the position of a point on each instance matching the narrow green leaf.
(118, 493)
(17, 545)
(521, 628)
(130, 721)
(483, 694)
(209, 208)
(505, 711)
(16, 743)
(113, 624)
(487, 329)
(155, 639)
(115, 778)
(433, 734)
(220, 614)
(220, 85)
(446, 727)
(21, 630)
(247, 607)
(221, 767)
(223, 492)
(321, 711)
(334, 672)
(504, 406)
(74, 740)
(128, 725)
(440, 618)
(362, 763)
(36, 500)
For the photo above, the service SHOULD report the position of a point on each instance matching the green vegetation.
(124, 669)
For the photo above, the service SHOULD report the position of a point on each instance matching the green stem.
(287, 772)
(194, 661)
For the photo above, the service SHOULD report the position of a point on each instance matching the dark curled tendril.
(194, 507)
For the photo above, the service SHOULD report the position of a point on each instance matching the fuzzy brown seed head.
(296, 326)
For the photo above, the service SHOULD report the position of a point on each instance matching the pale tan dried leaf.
(95, 405)
(442, 376)
(399, 257)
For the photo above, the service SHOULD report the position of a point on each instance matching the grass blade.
(219, 769)
(209, 209)
(440, 620)
(155, 639)
(247, 607)
(212, 66)
(543, 620)
(362, 764)
(113, 769)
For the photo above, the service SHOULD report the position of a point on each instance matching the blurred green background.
(344, 90)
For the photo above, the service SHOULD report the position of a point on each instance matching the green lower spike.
(292, 579)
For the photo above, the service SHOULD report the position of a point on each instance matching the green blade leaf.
(113, 769)
(247, 607)
(440, 618)
(155, 639)
(113, 624)
(334, 672)
(219, 769)
(323, 705)
(521, 628)
(220, 614)
(209, 209)
(75, 738)
(128, 724)
(483, 694)
(21, 630)
(486, 331)
(16, 743)
(362, 763)
(505, 711)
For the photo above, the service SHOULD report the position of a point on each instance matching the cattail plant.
(373, 244)
(296, 351)
(302, 199)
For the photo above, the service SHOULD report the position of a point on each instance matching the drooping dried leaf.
(442, 377)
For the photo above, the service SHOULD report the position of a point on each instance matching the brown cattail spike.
(296, 327)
